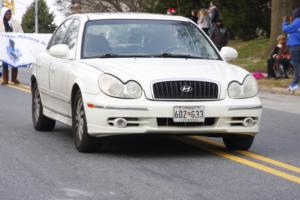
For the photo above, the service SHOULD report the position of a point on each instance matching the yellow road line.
(254, 156)
(19, 88)
(24, 88)
(20, 85)
(248, 163)
(271, 161)
(257, 166)
(205, 140)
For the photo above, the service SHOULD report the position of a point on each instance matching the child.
(280, 59)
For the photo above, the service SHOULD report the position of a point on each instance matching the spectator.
(219, 34)
(279, 61)
(171, 11)
(214, 12)
(292, 28)
(194, 17)
(204, 21)
(7, 24)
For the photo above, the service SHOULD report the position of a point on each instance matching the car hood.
(149, 70)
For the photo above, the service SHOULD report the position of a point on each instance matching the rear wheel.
(83, 141)
(238, 142)
(40, 121)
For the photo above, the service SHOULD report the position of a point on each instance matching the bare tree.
(83, 6)
(280, 8)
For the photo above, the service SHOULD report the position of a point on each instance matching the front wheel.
(40, 121)
(83, 141)
(238, 142)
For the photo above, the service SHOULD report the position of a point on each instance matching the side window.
(60, 34)
(71, 37)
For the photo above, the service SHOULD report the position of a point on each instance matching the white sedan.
(115, 74)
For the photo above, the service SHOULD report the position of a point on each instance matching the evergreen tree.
(45, 19)
(244, 17)
(241, 17)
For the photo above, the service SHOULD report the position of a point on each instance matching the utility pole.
(36, 16)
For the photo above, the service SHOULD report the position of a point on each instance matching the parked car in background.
(124, 73)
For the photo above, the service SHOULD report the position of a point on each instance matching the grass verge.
(282, 83)
(251, 54)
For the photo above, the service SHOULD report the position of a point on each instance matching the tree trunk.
(279, 8)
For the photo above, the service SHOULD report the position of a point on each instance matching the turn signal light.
(90, 105)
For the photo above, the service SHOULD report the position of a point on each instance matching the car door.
(42, 75)
(60, 71)
(43, 65)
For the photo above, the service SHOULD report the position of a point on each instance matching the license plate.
(189, 114)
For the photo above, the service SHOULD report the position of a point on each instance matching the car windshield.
(145, 38)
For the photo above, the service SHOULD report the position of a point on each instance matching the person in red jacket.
(280, 58)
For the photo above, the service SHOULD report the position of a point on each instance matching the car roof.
(128, 15)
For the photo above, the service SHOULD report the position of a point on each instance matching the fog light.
(248, 122)
(120, 122)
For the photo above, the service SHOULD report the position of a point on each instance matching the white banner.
(21, 49)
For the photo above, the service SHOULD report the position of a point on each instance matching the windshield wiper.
(171, 55)
(163, 55)
(111, 55)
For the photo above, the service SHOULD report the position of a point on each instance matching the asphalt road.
(46, 166)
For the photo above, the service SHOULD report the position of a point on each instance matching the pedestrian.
(214, 12)
(219, 34)
(7, 24)
(194, 17)
(204, 21)
(279, 61)
(292, 28)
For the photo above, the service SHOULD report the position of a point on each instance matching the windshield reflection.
(145, 38)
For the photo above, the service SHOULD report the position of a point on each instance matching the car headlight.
(113, 87)
(247, 89)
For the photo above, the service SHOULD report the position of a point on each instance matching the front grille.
(190, 90)
(169, 122)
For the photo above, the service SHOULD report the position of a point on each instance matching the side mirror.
(59, 50)
(229, 53)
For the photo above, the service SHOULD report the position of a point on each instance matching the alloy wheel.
(79, 123)
(36, 105)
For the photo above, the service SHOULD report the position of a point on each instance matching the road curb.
(279, 90)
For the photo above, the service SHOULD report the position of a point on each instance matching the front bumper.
(145, 116)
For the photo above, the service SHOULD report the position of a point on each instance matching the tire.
(40, 121)
(84, 143)
(238, 142)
